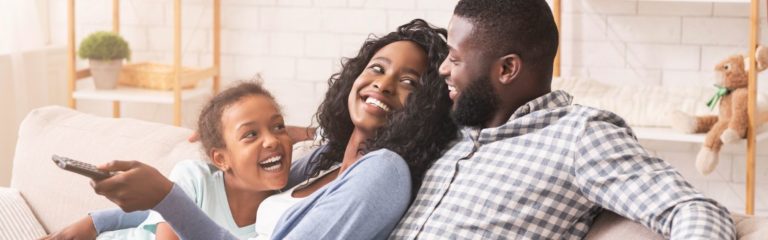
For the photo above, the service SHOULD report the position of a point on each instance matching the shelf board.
(671, 135)
(201, 74)
(130, 94)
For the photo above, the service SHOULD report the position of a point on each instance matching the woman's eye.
(410, 82)
(377, 69)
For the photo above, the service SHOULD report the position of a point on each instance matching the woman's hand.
(299, 134)
(137, 187)
(82, 229)
(194, 137)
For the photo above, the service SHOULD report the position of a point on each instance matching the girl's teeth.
(451, 88)
(377, 103)
(271, 164)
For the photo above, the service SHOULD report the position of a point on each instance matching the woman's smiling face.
(385, 83)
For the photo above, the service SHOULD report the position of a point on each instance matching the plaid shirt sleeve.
(615, 172)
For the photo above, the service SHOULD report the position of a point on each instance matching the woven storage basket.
(153, 76)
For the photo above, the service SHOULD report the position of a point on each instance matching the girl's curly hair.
(209, 124)
(419, 132)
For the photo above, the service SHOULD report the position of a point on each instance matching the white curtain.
(23, 40)
(22, 31)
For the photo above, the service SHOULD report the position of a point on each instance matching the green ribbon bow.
(721, 91)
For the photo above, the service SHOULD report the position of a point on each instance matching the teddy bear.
(730, 125)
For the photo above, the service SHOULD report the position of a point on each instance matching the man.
(529, 164)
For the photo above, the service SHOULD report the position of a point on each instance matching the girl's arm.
(82, 229)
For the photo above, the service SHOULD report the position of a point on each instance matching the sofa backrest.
(58, 197)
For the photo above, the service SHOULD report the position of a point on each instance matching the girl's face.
(391, 75)
(258, 149)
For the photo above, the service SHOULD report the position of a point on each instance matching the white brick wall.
(644, 29)
(674, 9)
(297, 44)
(715, 31)
(663, 56)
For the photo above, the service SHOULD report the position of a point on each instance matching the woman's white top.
(274, 206)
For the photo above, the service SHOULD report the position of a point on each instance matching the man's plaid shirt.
(546, 173)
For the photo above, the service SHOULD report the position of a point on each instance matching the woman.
(388, 99)
(385, 118)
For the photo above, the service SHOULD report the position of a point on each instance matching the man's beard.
(476, 104)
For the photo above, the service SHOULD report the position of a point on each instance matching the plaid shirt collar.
(552, 100)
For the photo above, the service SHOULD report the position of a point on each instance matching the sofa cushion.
(17, 220)
(58, 197)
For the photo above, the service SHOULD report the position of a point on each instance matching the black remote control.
(81, 168)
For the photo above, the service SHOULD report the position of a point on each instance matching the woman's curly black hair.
(419, 132)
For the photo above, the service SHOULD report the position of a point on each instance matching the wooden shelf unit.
(664, 134)
(121, 94)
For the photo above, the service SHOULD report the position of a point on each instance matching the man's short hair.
(522, 27)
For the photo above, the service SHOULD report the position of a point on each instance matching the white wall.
(297, 44)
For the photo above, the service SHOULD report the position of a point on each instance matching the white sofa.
(42, 198)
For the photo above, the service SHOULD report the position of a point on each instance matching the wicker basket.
(154, 76)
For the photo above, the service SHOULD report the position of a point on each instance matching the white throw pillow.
(17, 220)
(642, 106)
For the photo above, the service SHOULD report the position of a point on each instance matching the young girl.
(243, 134)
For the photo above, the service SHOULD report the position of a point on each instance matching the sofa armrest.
(609, 225)
(16, 219)
(750, 227)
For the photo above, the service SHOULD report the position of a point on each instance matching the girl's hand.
(82, 229)
(137, 187)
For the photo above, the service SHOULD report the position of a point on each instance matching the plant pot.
(105, 72)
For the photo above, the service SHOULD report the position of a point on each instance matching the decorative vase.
(105, 72)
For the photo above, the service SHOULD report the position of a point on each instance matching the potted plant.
(105, 52)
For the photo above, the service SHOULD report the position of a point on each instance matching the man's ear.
(510, 68)
(219, 159)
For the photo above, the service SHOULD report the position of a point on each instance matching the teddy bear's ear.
(762, 58)
(761, 54)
